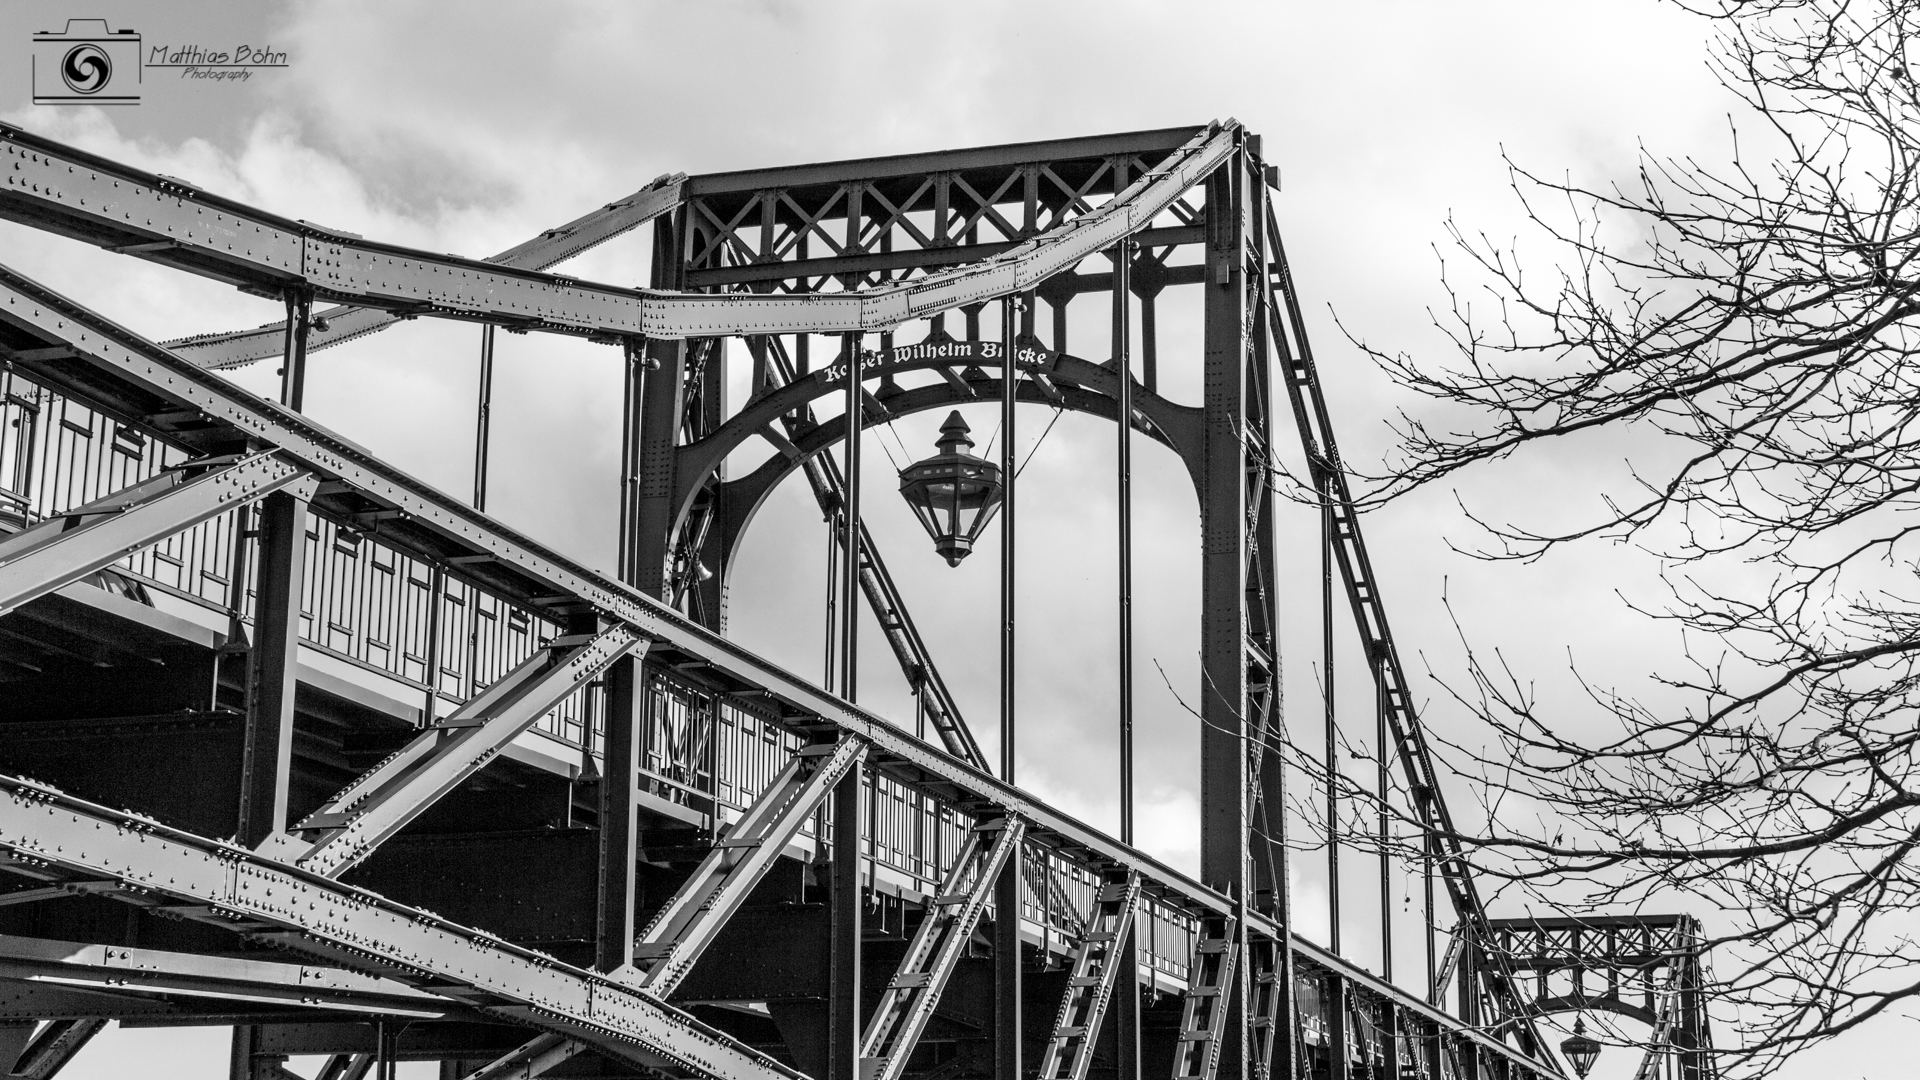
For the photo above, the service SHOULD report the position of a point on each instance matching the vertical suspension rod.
(1009, 380)
(1123, 370)
(1333, 745)
(483, 420)
(850, 524)
(633, 374)
(1381, 746)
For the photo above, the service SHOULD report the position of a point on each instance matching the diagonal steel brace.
(1090, 981)
(118, 969)
(56, 1044)
(1209, 998)
(676, 936)
(910, 997)
(377, 805)
(67, 547)
(531, 1060)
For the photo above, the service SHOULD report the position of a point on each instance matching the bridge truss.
(297, 744)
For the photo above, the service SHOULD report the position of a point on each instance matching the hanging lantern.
(953, 492)
(1579, 1050)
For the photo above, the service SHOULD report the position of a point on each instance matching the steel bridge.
(292, 742)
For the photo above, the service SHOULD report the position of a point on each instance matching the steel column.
(662, 399)
(293, 363)
(1007, 981)
(845, 902)
(267, 760)
(619, 813)
(633, 380)
(1126, 1004)
(1225, 727)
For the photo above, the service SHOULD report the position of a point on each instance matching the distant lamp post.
(1580, 1050)
(953, 493)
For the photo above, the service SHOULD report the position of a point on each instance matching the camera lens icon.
(86, 69)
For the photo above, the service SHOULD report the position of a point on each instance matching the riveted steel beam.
(230, 886)
(368, 811)
(61, 550)
(344, 323)
(676, 936)
(67, 191)
(535, 1059)
(123, 969)
(55, 1045)
(910, 996)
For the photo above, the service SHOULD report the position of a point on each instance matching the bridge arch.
(1057, 380)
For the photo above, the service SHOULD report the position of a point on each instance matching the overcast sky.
(468, 127)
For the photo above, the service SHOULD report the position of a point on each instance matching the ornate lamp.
(1580, 1050)
(953, 493)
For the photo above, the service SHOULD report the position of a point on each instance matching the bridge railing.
(421, 628)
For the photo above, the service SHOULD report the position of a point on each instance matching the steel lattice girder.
(909, 999)
(219, 351)
(1207, 1001)
(123, 969)
(681, 930)
(63, 549)
(382, 802)
(312, 913)
(65, 190)
(1090, 981)
(134, 377)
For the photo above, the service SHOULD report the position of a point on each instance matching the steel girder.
(911, 995)
(220, 351)
(122, 969)
(682, 929)
(230, 886)
(61, 550)
(53, 1047)
(533, 1060)
(382, 802)
(175, 400)
(65, 190)
(1657, 958)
